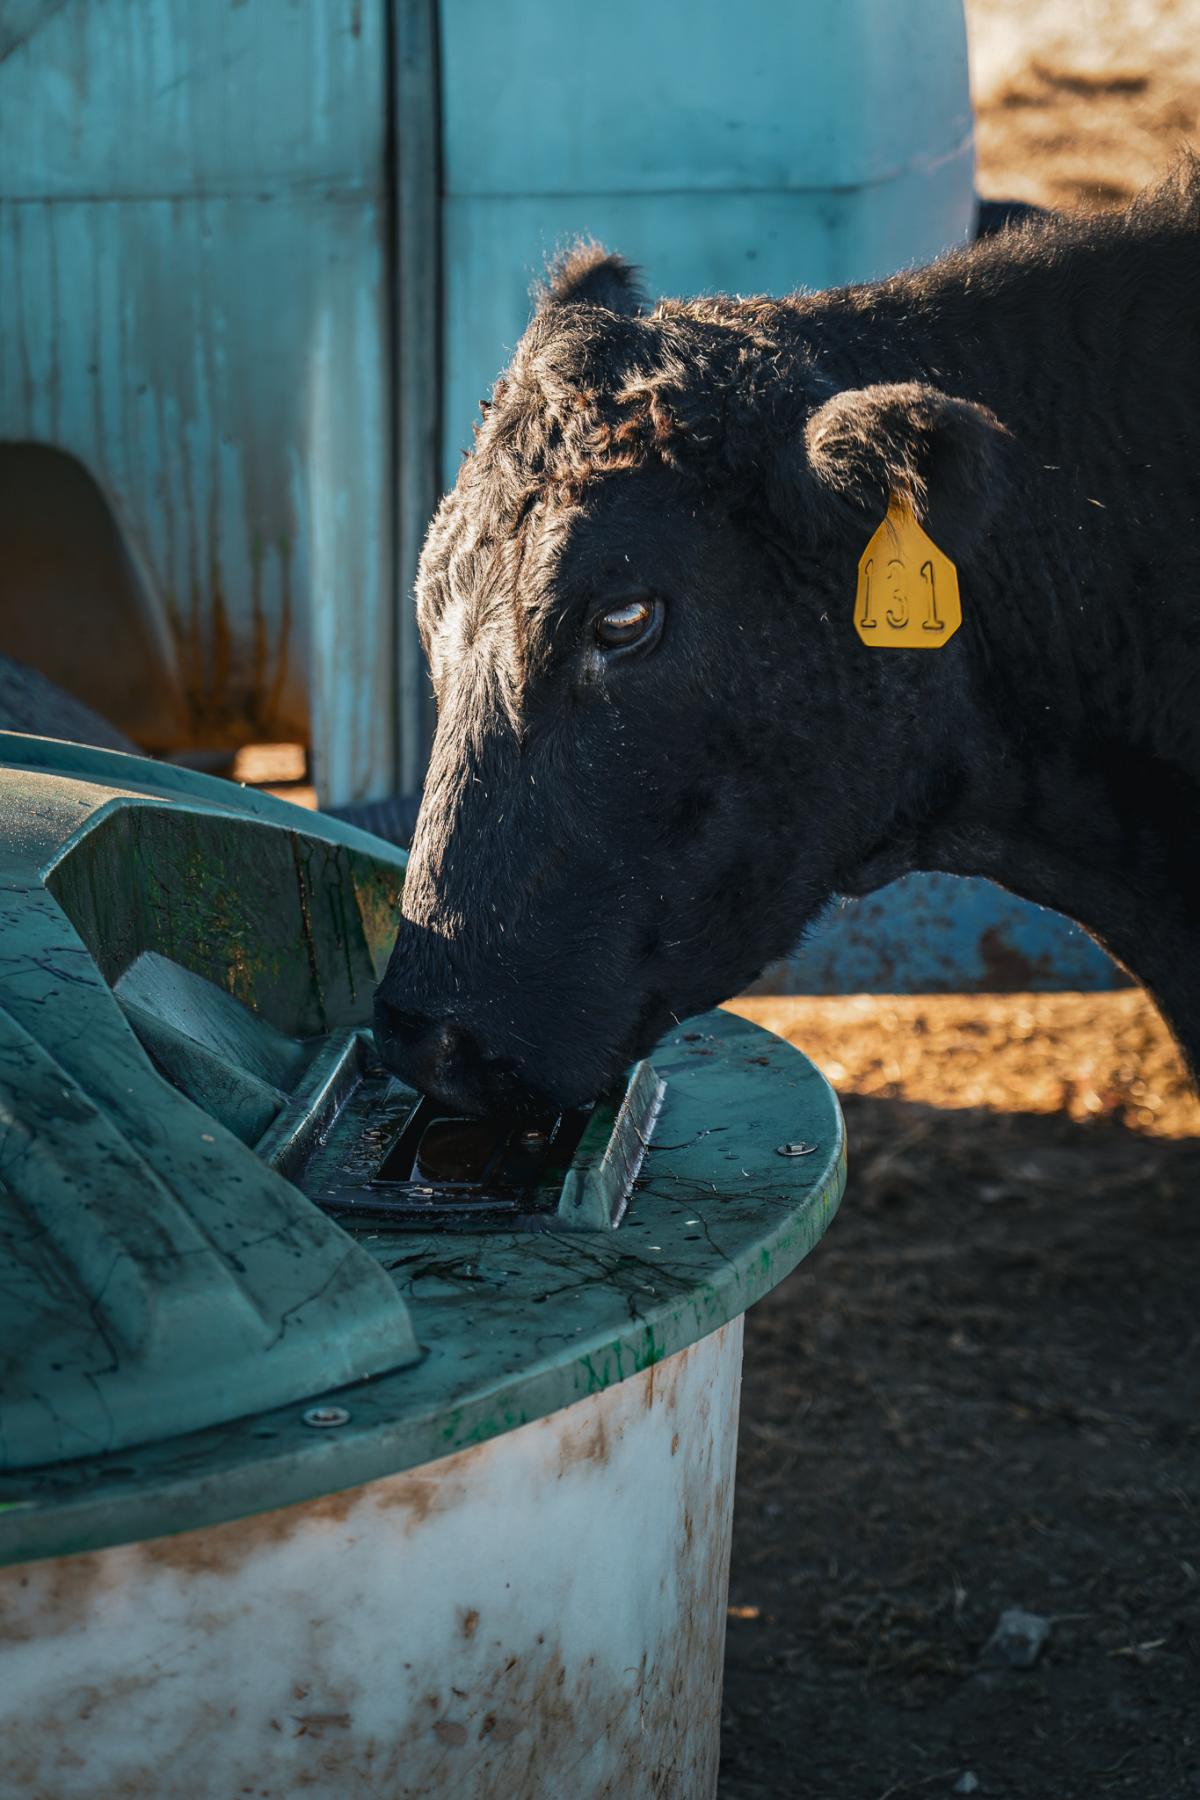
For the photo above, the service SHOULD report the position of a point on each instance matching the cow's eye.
(633, 622)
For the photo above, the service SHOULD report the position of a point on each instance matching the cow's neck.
(1084, 785)
(1021, 332)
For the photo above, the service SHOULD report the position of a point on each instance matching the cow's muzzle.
(445, 1059)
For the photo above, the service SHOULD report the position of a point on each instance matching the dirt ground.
(980, 1393)
(1081, 102)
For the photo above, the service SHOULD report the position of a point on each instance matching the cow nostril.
(396, 1028)
(435, 1056)
(442, 1044)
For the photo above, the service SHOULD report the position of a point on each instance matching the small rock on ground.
(1017, 1640)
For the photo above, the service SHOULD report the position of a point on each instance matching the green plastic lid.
(168, 976)
(205, 1249)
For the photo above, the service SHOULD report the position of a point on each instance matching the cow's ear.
(945, 458)
(589, 275)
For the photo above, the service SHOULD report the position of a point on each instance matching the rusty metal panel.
(541, 1615)
(196, 304)
(933, 934)
(167, 98)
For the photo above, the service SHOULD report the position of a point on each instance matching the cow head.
(660, 747)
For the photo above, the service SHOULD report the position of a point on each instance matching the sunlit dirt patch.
(1088, 1056)
(281, 769)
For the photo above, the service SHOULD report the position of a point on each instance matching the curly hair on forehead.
(591, 393)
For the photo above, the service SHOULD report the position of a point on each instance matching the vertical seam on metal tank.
(413, 139)
(437, 285)
(393, 327)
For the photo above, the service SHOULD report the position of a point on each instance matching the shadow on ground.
(980, 1393)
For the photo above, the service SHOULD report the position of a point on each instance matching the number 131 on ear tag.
(907, 595)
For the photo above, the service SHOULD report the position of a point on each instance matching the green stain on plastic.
(163, 924)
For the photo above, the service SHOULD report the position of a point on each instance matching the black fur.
(608, 844)
(589, 275)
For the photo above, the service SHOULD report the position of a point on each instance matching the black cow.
(662, 744)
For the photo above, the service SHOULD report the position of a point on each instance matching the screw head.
(800, 1149)
(322, 1418)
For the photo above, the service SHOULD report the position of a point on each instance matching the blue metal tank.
(753, 149)
(198, 317)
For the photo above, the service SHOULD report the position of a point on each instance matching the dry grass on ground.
(978, 1393)
(1086, 1056)
(1081, 104)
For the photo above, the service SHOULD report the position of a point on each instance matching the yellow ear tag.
(907, 595)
